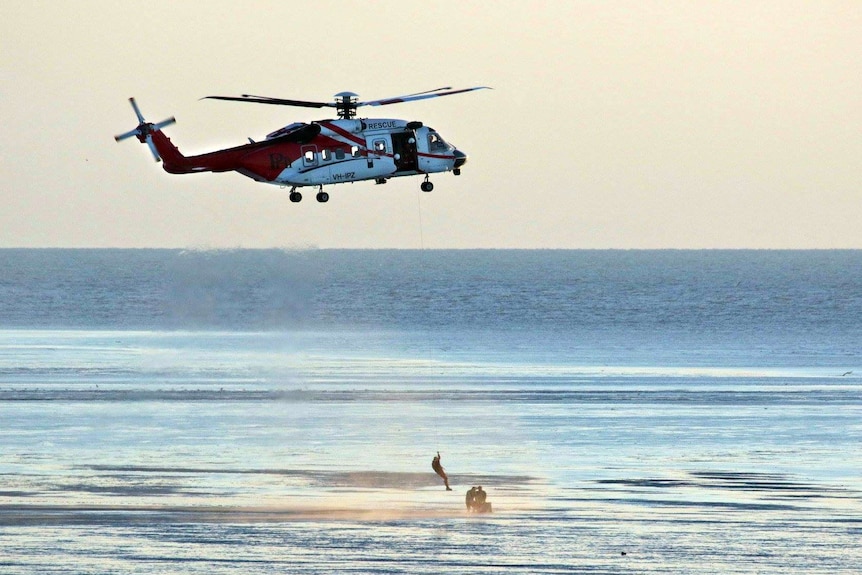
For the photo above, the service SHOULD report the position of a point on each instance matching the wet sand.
(94, 515)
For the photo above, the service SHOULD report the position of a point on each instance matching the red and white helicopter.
(322, 152)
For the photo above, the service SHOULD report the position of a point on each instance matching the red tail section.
(219, 161)
(250, 159)
(163, 150)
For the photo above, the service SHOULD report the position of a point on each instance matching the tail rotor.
(144, 131)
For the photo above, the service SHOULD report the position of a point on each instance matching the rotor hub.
(346, 104)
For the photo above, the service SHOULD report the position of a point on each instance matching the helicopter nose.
(460, 158)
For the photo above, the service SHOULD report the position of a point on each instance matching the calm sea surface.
(276, 412)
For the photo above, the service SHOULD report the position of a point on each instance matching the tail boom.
(174, 162)
(258, 160)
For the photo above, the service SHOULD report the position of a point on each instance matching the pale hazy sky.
(676, 124)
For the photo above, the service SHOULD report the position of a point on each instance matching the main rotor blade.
(429, 91)
(420, 96)
(268, 100)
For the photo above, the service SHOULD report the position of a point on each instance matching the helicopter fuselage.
(319, 153)
(327, 152)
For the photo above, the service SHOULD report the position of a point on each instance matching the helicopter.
(322, 152)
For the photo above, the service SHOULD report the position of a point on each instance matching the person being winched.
(476, 500)
(438, 469)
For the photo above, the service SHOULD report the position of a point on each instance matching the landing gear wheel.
(322, 197)
(427, 186)
(295, 197)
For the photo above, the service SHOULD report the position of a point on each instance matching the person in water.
(438, 469)
(476, 500)
(470, 500)
(479, 501)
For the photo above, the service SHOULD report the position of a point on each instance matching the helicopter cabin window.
(354, 151)
(380, 146)
(309, 157)
(326, 155)
(339, 154)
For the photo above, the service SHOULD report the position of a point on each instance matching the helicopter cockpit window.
(436, 143)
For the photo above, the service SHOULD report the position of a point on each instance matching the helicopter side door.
(404, 152)
(380, 157)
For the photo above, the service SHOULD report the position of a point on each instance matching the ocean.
(266, 411)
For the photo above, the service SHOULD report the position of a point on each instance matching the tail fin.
(174, 161)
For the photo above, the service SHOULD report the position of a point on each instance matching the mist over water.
(277, 411)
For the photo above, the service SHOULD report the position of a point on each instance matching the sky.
(611, 124)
